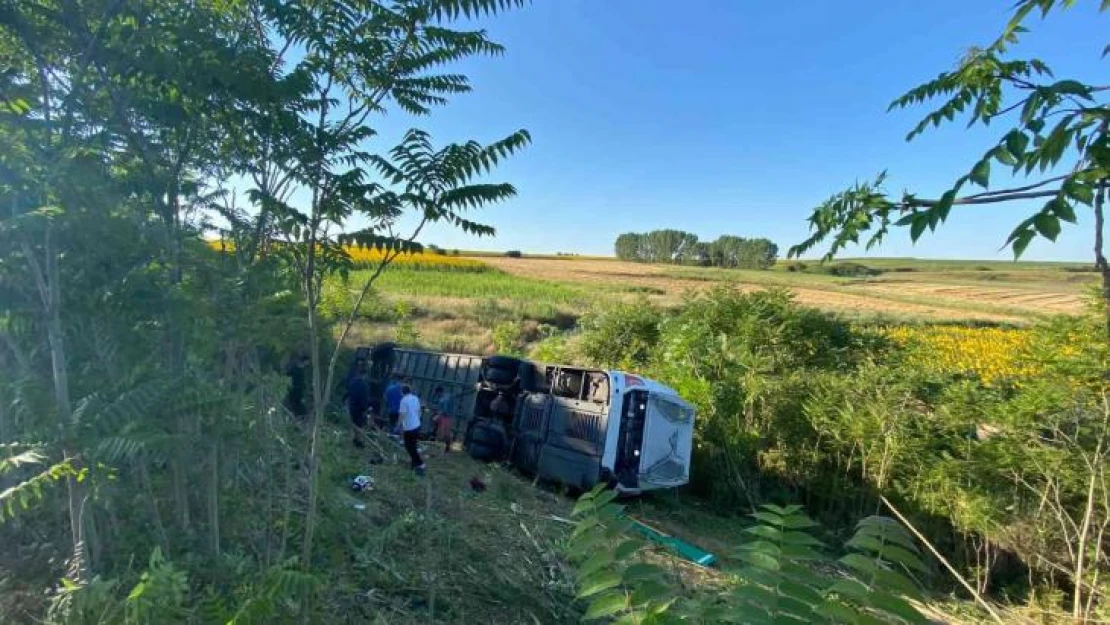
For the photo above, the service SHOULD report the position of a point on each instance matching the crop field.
(1008, 293)
(496, 303)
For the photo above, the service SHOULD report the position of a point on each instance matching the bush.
(851, 270)
(623, 335)
(514, 254)
(780, 575)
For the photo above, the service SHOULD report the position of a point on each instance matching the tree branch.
(972, 199)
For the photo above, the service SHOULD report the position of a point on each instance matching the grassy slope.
(432, 550)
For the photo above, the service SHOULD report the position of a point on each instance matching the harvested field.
(931, 295)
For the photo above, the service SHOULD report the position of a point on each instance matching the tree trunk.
(49, 287)
(1100, 257)
(214, 497)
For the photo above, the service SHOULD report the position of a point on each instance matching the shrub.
(507, 337)
(514, 254)
(782, 574)
(623, 335)
(851, 270)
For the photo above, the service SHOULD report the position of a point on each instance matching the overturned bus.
(574, 425)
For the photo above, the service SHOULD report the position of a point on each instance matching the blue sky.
(722, 116)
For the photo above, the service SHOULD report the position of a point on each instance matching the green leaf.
(1078, 191)
(1016, 142)
(602, 580)
(755, 594)
(918, 223)
(1047, 225)
(765, 531)
(586, 544)
(585, 524)
(762, 546)
(632, 618)
(1003, 155)
(17, 106)
(897, 606)
(757, 575)
(801, 609)
(1064, 211)
(801, 592)
(1072, 87)
(801, 552)
(838, 612)
(798, 521)
(865, 542)
(760, 560)
(596, 562)
(627, 548)
(981, 173)
(606, 605)
(800, 538)
(582, 507)
(643, 571)
(1021, 241)
(649, 590)
(898, 555)
(768, 517)
(851, 589)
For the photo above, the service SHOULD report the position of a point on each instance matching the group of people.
(402, 409)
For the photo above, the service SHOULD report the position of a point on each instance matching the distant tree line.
(683, 248)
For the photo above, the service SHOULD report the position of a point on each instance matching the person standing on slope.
(393, 397)
(410, 426)
(358, 401)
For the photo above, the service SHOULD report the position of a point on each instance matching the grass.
(400, 281)
(431, 550)
(459, 311)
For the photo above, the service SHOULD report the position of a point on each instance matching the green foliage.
(154, 367)
(553, 349)
(621, 335)
(27, 489)
(490, 285)
(404, 329)
(160, 595)
(781, 573)
(507, 337)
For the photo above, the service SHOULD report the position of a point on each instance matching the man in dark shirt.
(358, 401)
(393, 397)
(295, 399)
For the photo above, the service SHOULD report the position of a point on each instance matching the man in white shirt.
(410, 426)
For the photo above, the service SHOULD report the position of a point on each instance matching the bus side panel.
(456, 373)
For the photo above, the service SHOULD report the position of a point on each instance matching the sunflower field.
(368, 258)
(993, 355)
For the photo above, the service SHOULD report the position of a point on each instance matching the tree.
(360, 55)
(627, 246)
(126, 342)
(1054, 135)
